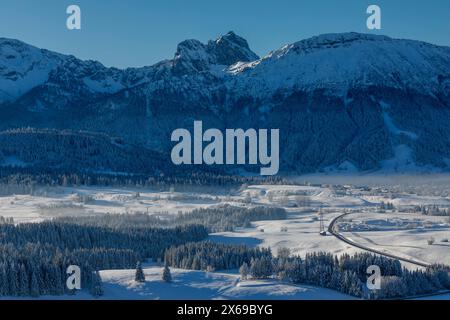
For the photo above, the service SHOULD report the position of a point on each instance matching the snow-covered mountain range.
(341, 101)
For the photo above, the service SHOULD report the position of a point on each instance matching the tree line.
(25, 180)
(211, 256)
(345, 273)
(218, 219)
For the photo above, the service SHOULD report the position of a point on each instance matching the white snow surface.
(339, 62)
(195, 285)
(191, 285)
(23, 67)
(402, 233)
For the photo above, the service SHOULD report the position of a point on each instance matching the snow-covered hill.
(340, 100)
(345, 61)
(24, 68)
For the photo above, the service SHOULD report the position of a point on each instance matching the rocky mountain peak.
(194, 56)
(232, 48)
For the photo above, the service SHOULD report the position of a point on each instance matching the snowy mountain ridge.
(345, 61)
(353, 99)
(330, 61)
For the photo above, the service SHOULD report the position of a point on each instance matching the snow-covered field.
(302, 236)
(198, 285)
(52, 202)
(403, 233)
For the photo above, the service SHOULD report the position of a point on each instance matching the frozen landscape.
(394, 216)
(86, 177)
(198, 285)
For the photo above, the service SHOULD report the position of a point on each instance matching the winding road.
(332, 230)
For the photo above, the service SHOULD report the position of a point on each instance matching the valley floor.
(405, 233)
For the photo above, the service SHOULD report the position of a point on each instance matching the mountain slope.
(340, 101)
(351, 60)
(77, 151)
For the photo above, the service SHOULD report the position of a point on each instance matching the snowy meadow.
(231, 242)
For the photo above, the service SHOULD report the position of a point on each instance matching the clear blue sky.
(142, 32)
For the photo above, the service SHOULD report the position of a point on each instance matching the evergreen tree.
(261, 268)
(139, 276)
(96, 285)
(23, 281)
(244, 270)
(34, 284)
(166, 276)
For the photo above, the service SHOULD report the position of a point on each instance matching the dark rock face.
(230, 49)
(343, 99)
(192, 56)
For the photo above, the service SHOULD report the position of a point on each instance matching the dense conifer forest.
(34, 257)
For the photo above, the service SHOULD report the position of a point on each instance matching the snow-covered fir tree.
(139, 275)
(96, 286)
(261, 268)
(244, 271)
(166, 276)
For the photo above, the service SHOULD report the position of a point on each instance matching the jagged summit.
(194, 56)
(231, 48)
